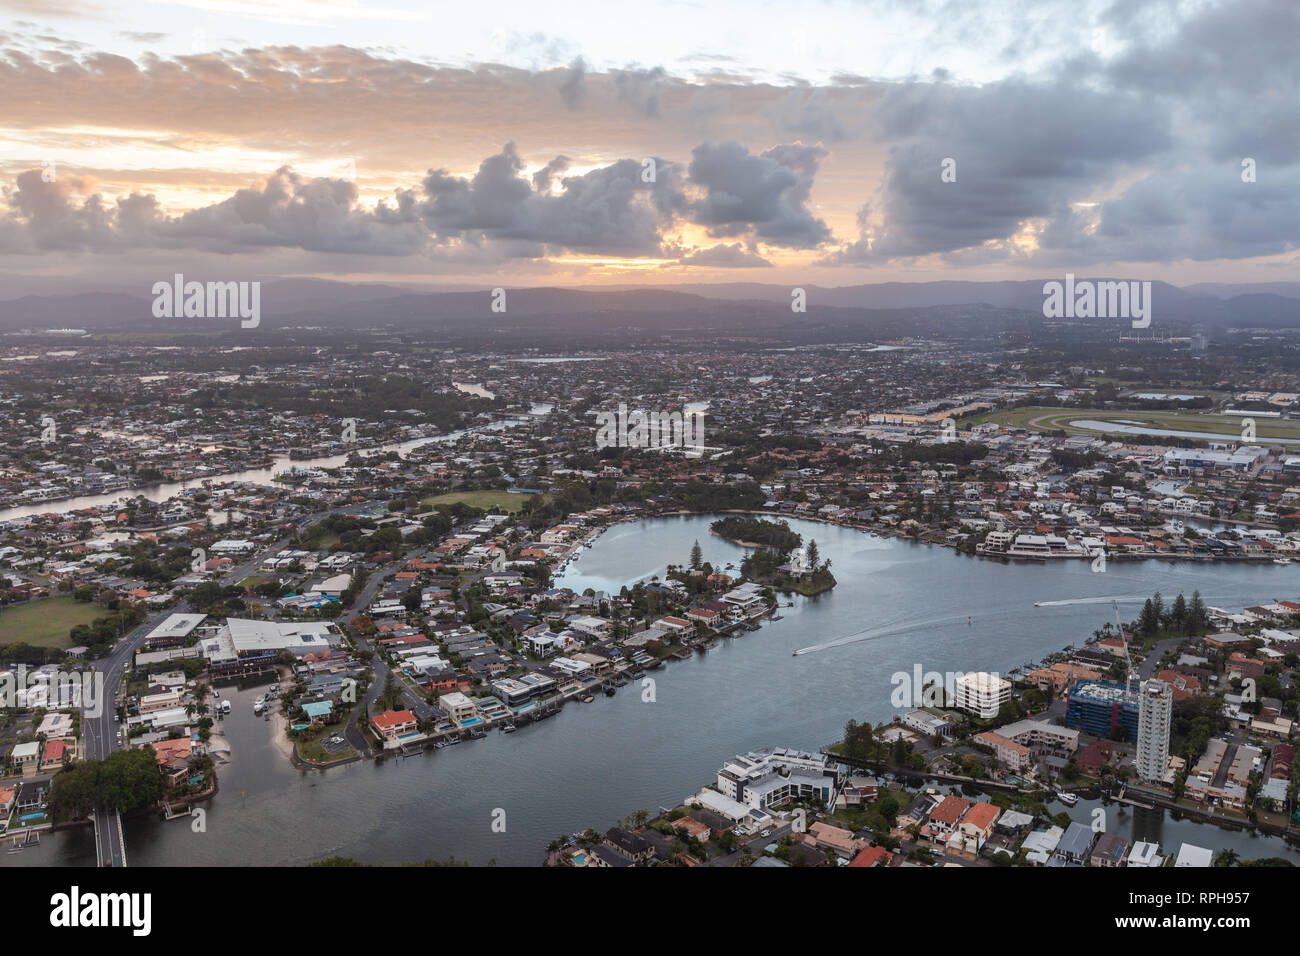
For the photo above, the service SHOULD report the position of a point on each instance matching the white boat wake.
(1118, 599)
(889, 630)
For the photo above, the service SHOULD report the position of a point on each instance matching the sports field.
(1047, 419)
(46, 622)
(487, 500)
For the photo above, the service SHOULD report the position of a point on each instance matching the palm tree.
(1227, 858)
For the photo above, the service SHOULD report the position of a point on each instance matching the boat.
(259, 705)
(509, 729)
(1069, 799)
(225, 706)
(610, 692)
(1281, 560)
(588, 699)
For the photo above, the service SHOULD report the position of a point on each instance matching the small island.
(751, 532)
(778, 560)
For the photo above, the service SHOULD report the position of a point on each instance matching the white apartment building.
(769, 778)
(1155, 711)
(981, 694)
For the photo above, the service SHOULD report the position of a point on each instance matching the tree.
(1178, 615)
(697, 556)
(1198, 616)
(813, 554)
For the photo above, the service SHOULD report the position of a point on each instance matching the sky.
(823, 142)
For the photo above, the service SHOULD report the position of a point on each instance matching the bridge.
(110, 845)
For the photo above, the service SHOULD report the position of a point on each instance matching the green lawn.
(487, 500)
(46, 623)
(1046, 418)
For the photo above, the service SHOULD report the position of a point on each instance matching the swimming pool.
(471, 722)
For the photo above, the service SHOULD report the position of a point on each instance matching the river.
(257, 476)
(897, 604)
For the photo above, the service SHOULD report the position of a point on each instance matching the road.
(103, 732)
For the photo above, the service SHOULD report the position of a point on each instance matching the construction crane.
(1128, 661)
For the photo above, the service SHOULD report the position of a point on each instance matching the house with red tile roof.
(870, 856)
(392, 724)
(944, 818)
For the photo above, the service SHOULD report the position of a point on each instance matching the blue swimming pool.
(471, 722)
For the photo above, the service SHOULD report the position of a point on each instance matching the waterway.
(898, 604)
(257, 476)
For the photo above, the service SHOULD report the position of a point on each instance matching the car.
(767, 832)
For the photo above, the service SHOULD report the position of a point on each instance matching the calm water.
(898, 604)
(259, 476)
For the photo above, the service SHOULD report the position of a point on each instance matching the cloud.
(731, 256)
(572, 89)
(641, 88)
(763, 197)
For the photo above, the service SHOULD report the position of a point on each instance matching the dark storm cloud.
(623, 208)
(1130, 158)
(612, 209)
(1019, 151)
(763, 196)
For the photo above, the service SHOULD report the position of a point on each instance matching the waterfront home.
(1076, 845)
(1041, 844)
(857, 792)
(973, 829)
(1191, 855)
(630, 845)
(32, 795)
(705, 615)
(26, 756)
(392, 724)
(943, 819)
(928, 723)
(1008, 752)
(1111, 850)
(457, 706)
(1145, 854)
(693, 828)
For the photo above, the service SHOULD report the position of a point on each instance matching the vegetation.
(776, 535)
(125, 780)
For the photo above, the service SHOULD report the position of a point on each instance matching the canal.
(898, 604)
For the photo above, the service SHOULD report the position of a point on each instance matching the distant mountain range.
(879, 308)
